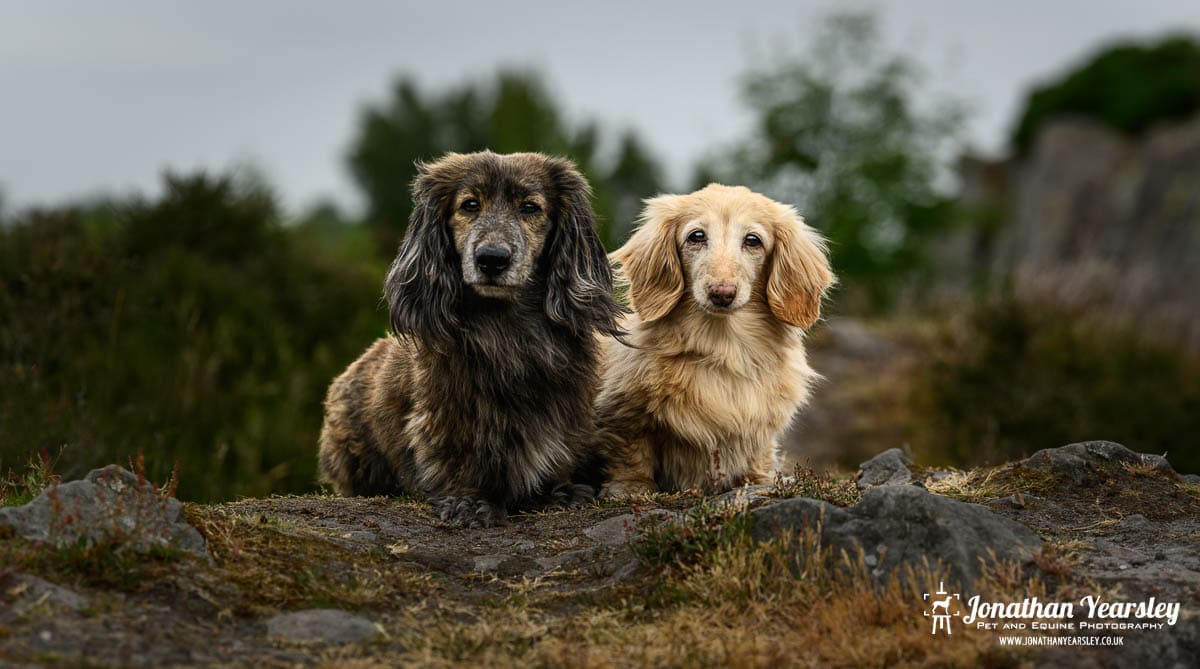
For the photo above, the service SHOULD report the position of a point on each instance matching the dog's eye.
(697, 237)
(530, 208)
(470, 205)
(752, 241)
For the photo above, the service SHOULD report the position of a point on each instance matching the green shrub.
(1017, 377)
(195, 328)
(690, 536)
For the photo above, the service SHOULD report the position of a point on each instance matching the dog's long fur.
(485, 398)
(699, 399)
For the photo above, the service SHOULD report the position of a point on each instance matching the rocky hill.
(1094, 219)
(814, 570)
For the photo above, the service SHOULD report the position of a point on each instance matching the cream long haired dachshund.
(723, 281)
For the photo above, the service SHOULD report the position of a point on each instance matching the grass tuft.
(115, 558)
(20, 487)
(688, 537)
(987, 483)
(806, 481)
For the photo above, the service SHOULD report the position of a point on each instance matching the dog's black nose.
(722, 294)
(492, 260)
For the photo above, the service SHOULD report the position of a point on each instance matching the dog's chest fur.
(503, 412)
(716, 392)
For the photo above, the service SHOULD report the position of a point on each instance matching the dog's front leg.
(631, 470)
(469, 510)
(762, 467)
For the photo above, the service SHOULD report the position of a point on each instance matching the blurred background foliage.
(509, 113)
(205, 324)
(1014, 376)
(1128, 87)
(844, 132)
(193, 328)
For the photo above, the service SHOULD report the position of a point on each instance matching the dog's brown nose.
(722, 294)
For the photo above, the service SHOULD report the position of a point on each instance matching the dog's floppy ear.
(424, 284)
(650, 260)
(800, 273)
(579, 284)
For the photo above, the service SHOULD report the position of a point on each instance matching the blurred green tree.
(843, 133)
(514, 113)
(1128, 87)
(194, 328)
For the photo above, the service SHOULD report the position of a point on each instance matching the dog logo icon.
(941, 620)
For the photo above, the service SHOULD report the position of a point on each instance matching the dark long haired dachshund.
(483, 401)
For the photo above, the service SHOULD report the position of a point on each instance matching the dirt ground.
(577, 588)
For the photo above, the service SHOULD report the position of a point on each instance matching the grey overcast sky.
(99, 96)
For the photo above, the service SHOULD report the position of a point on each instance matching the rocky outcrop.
(1082, 463)
(905, 525)
(1094, 219)
(109, 504)
(312, 580)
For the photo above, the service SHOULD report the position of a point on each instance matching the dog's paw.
(572, 495)
(622, 489)
(469, 512)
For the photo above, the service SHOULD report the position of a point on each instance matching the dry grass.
(709, 594)
(18, 487)
(1192, 489)
(262, 565)
(986, 483)
(744, 605)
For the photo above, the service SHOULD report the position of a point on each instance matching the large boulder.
(899, 525)
(1094, 220)
(109, 504)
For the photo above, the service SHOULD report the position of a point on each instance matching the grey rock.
(110, 502)
(627, 570)
(1081, 462)
(577, 556)
(25, 594)
(888, 468)
(619, 529)
(746, 494)
(503, 564)
(489, 563)
(1193, 479)
(896, 525)
(612, 531)
(322, 626)
(1113, 556)
(1135, 521)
